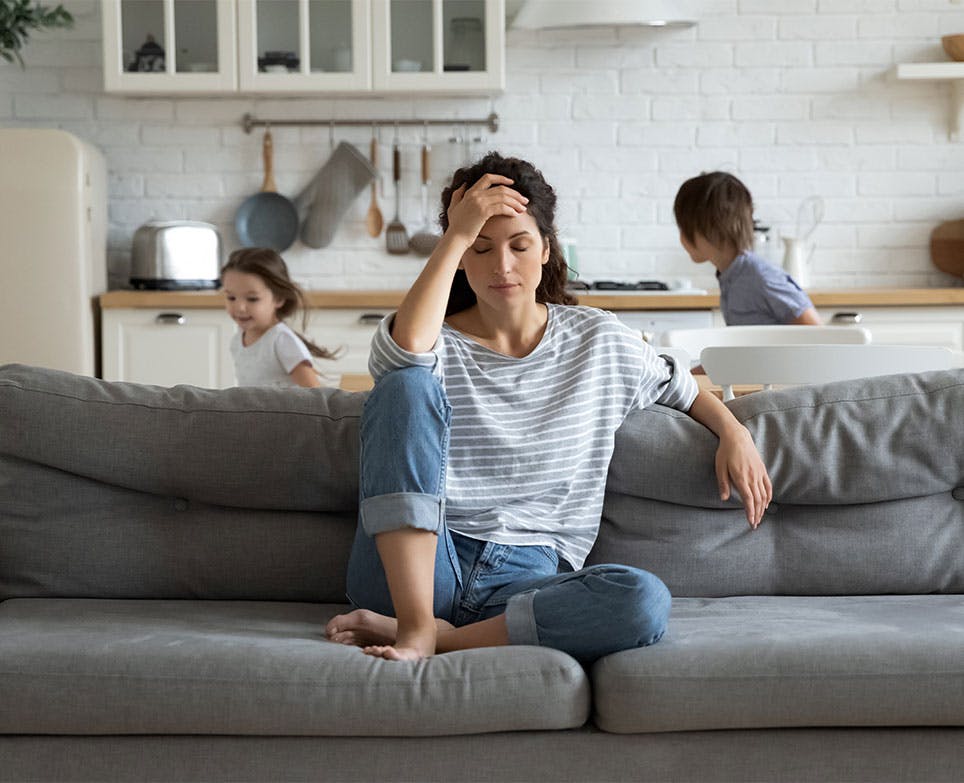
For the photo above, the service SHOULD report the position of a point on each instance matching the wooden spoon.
(374, 220)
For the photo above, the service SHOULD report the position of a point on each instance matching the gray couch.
(169, 558)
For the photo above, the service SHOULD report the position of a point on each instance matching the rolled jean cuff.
(398, 510)
(520, 619)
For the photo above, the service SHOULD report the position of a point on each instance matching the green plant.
(18, 17)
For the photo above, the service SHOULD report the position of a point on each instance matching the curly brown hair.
(271, 268)
(528, 181)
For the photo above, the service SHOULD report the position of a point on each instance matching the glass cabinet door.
(169, 45)
(443, 45)
(304, 45)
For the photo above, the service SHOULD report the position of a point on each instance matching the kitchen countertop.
(841, 297)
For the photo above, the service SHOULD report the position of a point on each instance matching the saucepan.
(267, 219)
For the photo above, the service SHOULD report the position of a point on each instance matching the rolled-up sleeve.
(680, 389)
(386, 355)
(663, 380)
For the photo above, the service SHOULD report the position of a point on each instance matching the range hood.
(560, 14)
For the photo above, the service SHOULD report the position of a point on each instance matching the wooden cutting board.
(947, 247)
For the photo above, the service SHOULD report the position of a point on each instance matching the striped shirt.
(532, 437)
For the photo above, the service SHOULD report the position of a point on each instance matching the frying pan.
(267, 219)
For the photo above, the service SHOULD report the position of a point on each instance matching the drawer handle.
(172, 319)
(846, 318)
(370, 319)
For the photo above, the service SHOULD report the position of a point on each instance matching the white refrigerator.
(53, 254)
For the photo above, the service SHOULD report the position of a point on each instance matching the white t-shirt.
(269, 360)
(531, 438)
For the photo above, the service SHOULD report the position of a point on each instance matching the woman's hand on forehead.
(490, 196)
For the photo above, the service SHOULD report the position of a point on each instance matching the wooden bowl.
(954, 46)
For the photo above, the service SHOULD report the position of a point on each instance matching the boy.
(714, 213)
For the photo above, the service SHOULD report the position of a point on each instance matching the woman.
(486, 443)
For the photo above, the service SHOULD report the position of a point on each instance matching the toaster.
(175, 254)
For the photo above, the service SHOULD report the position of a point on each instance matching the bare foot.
(413, 644)
(362, 628)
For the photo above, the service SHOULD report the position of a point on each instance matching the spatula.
(396, 238)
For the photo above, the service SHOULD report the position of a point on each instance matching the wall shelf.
(947, 71)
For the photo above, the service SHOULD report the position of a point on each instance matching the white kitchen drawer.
(941, 326)
(168, 347)
(652, 323)
(350, 330)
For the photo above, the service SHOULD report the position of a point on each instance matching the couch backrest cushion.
(868, 493)
(291, 449)
(130, 491)
(123, 490)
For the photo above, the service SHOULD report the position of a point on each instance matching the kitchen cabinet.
(143, 342)
(438, 46)
(304, 46)
(940, 326)
(167, 346)
(351, 331)
(169, 46)
(193, 345)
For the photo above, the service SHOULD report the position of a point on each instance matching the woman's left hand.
(740, 467)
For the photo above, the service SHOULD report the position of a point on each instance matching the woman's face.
(504, 264)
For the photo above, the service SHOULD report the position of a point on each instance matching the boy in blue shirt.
(714, 213)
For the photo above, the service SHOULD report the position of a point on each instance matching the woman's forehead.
(505, 227)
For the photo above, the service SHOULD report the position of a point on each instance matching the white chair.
(682, 356)
(693, 341)
(783, 365)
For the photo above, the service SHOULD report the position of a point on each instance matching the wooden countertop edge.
(377, 300)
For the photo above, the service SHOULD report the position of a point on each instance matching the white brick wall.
(794, 96)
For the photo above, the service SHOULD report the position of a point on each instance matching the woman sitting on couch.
(487, 439)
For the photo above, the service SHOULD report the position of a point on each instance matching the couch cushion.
(868, 493)
(218, 667)
(62, 535)
(292, 449)
(762, 662)
(861, 441)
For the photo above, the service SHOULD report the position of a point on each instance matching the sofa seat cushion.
(79, 666)
(766, 662)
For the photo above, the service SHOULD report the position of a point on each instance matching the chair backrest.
(693, 341)
(681, 355)
(816, 363)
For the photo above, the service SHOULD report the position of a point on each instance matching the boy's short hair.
(719, 207)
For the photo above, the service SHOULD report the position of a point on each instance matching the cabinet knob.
(846, 318)
(370, 319)
(174, 319)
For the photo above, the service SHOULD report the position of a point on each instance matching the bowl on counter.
(954, 46)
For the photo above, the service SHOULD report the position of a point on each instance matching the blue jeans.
(404, 445)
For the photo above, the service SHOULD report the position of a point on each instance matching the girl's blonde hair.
(271, 268)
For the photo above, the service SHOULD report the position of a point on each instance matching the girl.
(486, 444)
(259, 295)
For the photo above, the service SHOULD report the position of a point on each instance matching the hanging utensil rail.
(249, 122)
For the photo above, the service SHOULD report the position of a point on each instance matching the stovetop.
(641, 286)
(613, 285)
